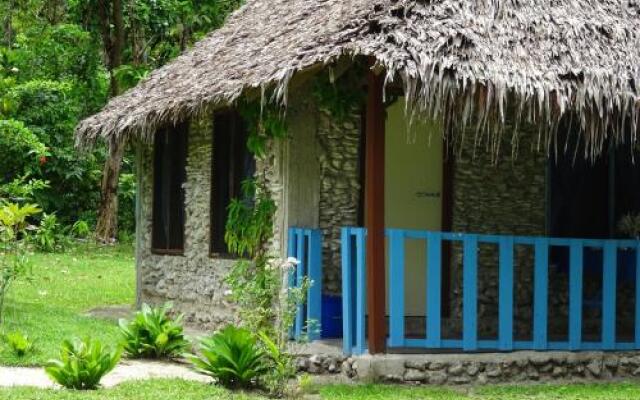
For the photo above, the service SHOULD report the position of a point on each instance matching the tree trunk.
(112, 31)
(107, 225)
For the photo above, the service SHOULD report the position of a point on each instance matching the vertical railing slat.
(361, 292)
(434, 284)
(314, 296)
(396, 288)
(609, 268)
(470, 293)
(291, 274)
(347, 295)
(575, 294)
(505, 300)
(540, 293)
(300, 272)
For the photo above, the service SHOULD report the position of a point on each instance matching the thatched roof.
(550, 55)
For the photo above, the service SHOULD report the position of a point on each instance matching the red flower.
(43, 160)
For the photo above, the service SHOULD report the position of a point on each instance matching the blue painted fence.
(306, 246)
(354, 288)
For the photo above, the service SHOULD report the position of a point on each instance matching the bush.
(153, 334)
(18, 343)
(233, 357)
(50, 235)
(82, 364)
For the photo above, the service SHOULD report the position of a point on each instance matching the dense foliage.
(56, 68)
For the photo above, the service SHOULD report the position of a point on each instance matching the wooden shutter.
(170, 159)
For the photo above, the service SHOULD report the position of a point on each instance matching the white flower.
(228, 292)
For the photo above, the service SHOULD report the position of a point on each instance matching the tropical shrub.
(82, 364)
(14, 264)
(18, 343)
(50, 235)
(80, 229)
(152, 333)
(233, 357)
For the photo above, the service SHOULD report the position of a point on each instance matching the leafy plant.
(82, 364)
(14, 263)
(233, 357)
(18, 343)
(50, 235)
(280, 364)
(80, 229)
(629, 225)
(153, 334)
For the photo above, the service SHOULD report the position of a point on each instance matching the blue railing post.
(470, 293)
(361, 292)
(300, 269)
(396, 288)
(291, 274)
(575, 294)
(434, 295)
(505, 299)
(540, 293)
(609, 268)
(314, 295)
(347, 295)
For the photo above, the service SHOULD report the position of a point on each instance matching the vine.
(266, 305)
(342, 95)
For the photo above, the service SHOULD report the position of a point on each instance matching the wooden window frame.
(182, 130)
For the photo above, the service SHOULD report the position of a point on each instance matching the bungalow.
(468, 200)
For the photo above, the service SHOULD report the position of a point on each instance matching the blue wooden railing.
(354, 291)
(306, 246)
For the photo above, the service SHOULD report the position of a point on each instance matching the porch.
(599, 275)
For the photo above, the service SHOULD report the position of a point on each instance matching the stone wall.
(339, 189)
(193, 281)
(463, 369)
(506, 196)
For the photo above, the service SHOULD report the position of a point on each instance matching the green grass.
(63, 288)
(161, 389)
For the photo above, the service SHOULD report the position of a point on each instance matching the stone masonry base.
(482, 368)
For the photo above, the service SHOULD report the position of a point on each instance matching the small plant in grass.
(50, 236)
(152, 333)
(233, 357)
(18, 343)
(82, 364)
(14, 263)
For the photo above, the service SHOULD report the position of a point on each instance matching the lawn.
(178, 389)
(52, 305)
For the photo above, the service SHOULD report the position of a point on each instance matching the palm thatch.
(461, 59)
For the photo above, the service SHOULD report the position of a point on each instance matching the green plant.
(82, 364)
(80, 229)
(153, 334)
(14, 263)
(50, 236)
(280, 364)
(232, 356)
(18, 343)
(629, 225)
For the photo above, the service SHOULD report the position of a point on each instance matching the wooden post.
(374, 212)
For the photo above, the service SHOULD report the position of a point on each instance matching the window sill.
(167, 252)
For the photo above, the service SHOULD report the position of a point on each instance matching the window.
(231, 164)
(169, 162)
